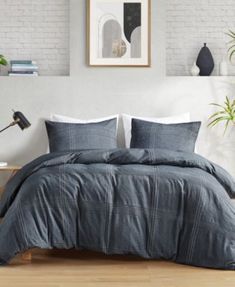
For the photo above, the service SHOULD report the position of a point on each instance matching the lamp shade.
(21, 120)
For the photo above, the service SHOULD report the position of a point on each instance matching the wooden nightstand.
(12, 169)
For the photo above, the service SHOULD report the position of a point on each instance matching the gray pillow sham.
(176, 137)
(71, 136)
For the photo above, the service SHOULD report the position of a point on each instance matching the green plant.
(3, 61)
(231, 49)
(225, 114)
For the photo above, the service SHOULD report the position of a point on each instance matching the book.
(22, 72)
(22, 62)
(27, 73)
(24, 68)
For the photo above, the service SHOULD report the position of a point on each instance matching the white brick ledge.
(190, 23)
(38, 30)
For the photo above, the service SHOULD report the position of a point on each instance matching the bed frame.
(27, 256)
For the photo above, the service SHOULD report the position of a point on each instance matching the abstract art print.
(119, 33)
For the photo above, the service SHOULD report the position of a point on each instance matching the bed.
(155, 203)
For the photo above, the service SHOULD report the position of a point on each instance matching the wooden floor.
(73, 269)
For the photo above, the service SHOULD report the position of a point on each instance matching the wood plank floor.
(72, 269)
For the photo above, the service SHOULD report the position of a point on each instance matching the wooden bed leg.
(27, 256)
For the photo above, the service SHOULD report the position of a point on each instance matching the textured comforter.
(152, 203)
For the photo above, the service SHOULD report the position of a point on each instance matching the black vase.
(205, 61)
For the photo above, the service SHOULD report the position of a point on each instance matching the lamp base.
(3, 164)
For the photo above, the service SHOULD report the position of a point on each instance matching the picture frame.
(119, 33)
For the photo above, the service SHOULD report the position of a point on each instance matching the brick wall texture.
(190, 23)
(36, 30)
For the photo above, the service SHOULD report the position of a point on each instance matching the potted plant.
(231, 49)
(226, 114)
(3, 61)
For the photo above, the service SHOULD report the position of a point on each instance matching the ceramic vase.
(223, 68)
(205, 61)
(195, 71)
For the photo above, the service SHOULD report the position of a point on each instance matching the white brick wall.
(190, 23)
(37, 30)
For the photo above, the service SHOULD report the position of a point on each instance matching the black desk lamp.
(20, 120)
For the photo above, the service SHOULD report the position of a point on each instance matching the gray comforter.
(152, 203)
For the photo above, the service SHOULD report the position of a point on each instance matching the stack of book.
(23, 68)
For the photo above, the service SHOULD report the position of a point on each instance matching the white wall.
(36, 30)
(93, 92)
(190, 23)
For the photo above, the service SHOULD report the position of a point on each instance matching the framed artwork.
(119, 33)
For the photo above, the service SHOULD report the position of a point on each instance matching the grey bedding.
(152, 203)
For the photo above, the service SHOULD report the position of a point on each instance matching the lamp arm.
(10, 125)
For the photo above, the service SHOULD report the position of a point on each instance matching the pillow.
(65, 119)
(184, 118)
(176, 137)
(72, 136)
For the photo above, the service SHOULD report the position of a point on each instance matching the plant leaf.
(230, 31)
(231, 55)
(233, 46)
(3, 61)
(217, 120)
(230, 42)
(216, 114)
(226, 113)
(217, 105)
(226, 126)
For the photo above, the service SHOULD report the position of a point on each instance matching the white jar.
(195, 71)
(223, 68)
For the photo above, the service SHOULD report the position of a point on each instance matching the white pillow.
(127, 123)
(65, 119)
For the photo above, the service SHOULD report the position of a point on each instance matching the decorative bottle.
(205, 61)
